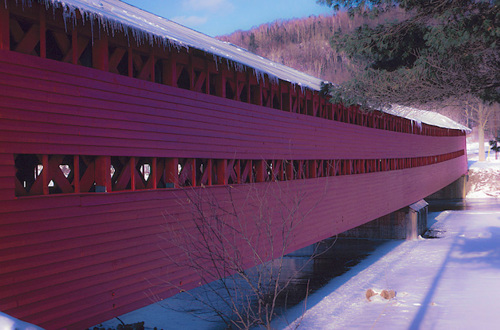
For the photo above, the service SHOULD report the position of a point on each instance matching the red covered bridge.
(107, 113)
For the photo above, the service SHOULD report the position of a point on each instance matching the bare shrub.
(235, 242)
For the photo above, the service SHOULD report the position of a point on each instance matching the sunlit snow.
(424, 116)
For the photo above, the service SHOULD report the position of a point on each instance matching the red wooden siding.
(77, 259)
(63, 106)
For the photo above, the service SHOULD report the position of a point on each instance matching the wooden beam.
(29, 40)
(222, 171)
(74, 46)
(76, 173)
(115, 58)
(236, 89)
(237, 169)
(43, 31)
(192, 75)
(152, 67)
(130, 63)
(193, 171)
(45, 174)
(153, 173)
(289, 170)
(220, 88)
(100, 53)
(260, 170)
(147, 68)
(132, 173)
(102, 174)
(4, 28)
(209, 172)
(170, 70)
(313, 166)
(172, 172)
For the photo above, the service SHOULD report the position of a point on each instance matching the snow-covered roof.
(426, 117)
(117, 15)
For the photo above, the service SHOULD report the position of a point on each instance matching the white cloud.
(190, 21)
(209, 5)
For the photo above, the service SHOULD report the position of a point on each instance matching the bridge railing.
(63, 174)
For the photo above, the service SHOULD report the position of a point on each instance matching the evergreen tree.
(252, 45)
(442, 50)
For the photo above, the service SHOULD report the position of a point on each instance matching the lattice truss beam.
(56, 174)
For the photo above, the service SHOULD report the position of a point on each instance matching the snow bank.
(10, 323)
(484, 180)
(484, 177)
(446, 283)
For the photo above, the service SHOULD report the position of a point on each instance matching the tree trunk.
(480, 135)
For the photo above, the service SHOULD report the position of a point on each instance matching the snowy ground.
(452, 282)
(448, 283)
(484, 177)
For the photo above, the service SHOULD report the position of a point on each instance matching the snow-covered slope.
(484, 177)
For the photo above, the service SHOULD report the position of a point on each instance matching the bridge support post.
(455, 190)
(406, 223)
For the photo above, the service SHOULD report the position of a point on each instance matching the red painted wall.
(74, 260)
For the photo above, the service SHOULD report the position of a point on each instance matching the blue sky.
(219, 17)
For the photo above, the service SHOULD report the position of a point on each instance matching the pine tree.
(443, 49)
(252, 45)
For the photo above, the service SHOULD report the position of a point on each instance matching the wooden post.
(4, 28)
(76, 173)
(249, 92)
(221, 84)
(260, 90)
(222, 171)
(289, 170)
(172, 172)
(207, 79)
(236, 88)
(313, 165)
(153, 172)
(316, 110)
(102, 174)
(45, 174)
(170, 70)
(192, 74)
(209, 170)
(193, 171)
(74, 46)
(100, 53)
(130, 62)
(132, 173)
(259, 169)
(43, 31)
(237, 169)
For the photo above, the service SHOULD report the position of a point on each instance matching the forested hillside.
(304, 44)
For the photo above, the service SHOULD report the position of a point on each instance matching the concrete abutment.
(411, 221)
(406, 223)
